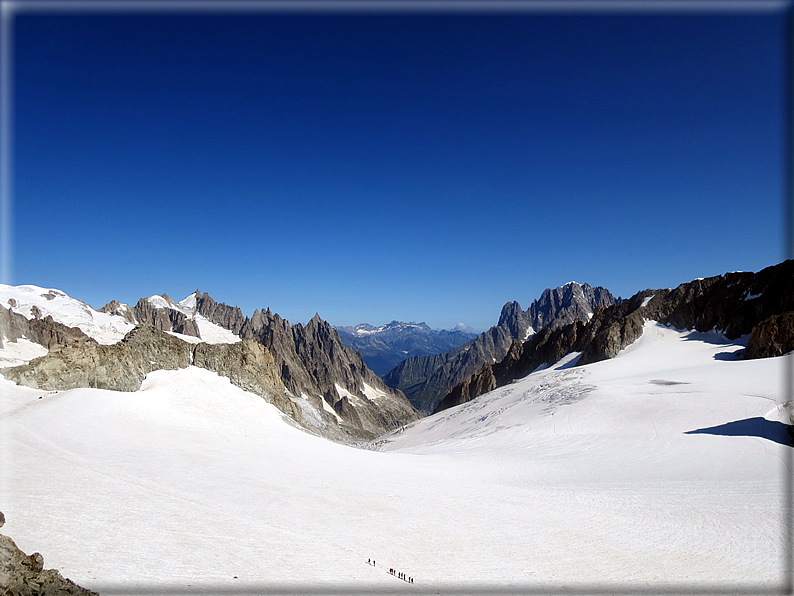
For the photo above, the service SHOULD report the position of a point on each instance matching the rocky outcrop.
(474, 385)
(114, 307)
(119, 367)
(736, 304)
(164, 319)
(347, 412)
(542, 349)
(145, 312)
(44, 331)
(124, 365)
(250, 366)
(312, 361)
(293, 367)
(772, 337)
(733, 304)
(425, 380)
(24, 575)
(228, 317)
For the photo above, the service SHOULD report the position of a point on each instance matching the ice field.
(660, 470)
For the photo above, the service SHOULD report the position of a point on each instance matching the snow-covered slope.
(104, 328)
(661, 467)
(209, 331)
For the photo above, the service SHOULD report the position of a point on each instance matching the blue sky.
(372, 167)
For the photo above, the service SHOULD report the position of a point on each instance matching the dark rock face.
(515, 320)
(426, 379)
(146, 313)
(561, 306)
(164, 319)
(347, 412)
(114, 307)
(123, 366)
(772, 337)
(46, 331)
(24, 575)
(312, 361)
(228, 317)
(736, 304)
(475, 385)
(383, 348)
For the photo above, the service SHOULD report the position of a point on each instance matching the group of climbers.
(401, 576)
(394, 572)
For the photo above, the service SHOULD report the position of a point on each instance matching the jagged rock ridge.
(737, 304)
(322, 385)
(315, 364)
(384, 347)
(426, 379)
(44, 331)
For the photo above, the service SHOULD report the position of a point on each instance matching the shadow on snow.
(751, 427)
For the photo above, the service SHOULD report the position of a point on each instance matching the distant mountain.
(426, 379)
(758, 305)
(384, 347)
(306, 372)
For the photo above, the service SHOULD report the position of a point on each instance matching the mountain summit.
(759, 306)
(426, 379)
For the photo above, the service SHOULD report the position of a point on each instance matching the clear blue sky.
(372, 167)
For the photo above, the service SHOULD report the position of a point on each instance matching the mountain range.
(305, 371)
(316, 374)
(652, 427)
(425, 380)
(163, 448)
(385, 346)
(758, 305)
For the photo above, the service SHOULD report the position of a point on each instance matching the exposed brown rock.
(114, 307)
(120, 367)
(312, 360)
(426, 379)
(165, 319)
(735, 304)
(772, 337)
(44, 331)
(474, 386)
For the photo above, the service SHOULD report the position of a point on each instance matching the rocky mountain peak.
(312, 362)
(757, 304)
(515, 320)
(426, 379)
(301, 370)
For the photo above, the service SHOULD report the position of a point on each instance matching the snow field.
(571, 476)
(105, 328)
(14, 353)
